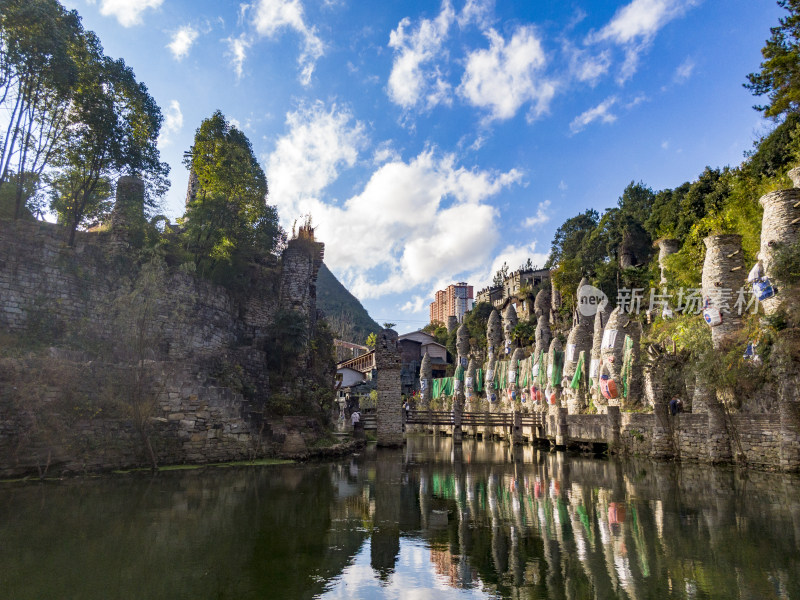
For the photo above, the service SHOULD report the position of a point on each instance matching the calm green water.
(428, 521)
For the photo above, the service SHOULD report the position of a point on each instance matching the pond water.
(427, 521)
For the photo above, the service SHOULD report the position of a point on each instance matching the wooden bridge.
(557, 427)
(472, 419)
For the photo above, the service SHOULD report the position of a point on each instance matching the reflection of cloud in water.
(414, 578)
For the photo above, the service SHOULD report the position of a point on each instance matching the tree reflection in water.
(430, 520)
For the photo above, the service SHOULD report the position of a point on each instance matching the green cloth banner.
(459, 373)
(442, 387)
(558, 368)
(478, 383)
(627, 360)
(576, 379)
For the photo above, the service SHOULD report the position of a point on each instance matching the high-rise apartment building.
(452, 302)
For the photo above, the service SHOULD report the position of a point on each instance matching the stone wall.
(62, 416)
(87, 296)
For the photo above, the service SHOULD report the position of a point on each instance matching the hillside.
(348, 319)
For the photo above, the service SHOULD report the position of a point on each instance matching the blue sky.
(433, 141)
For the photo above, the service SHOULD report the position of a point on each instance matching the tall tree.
(38, 75)
(229, 221)
(113, 130)
(779, 77)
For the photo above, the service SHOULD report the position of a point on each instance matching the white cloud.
(273, 16)
(415, 305)
(410, 223)
(540, 217)
(173, 123)
(182, 41)
(684, 71)
(601, 112)
(562, 185)
(641, 20)
(237, 49)
(478, 12)
(505, 76)
(306, 160)
(587, 67)
(409, 83)
(127, 12)
(634, 26)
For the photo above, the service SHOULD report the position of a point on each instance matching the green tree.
(229, 223)
(568, 239)
(38, 75)
(779, 77)
(476, 320)
(371, 341)
(113, 130)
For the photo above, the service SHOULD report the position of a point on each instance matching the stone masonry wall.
(213, 343)
(60, 416)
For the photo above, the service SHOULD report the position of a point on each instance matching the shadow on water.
(481, 520)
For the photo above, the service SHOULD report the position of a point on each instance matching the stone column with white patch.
(780, 225)
(723, 276)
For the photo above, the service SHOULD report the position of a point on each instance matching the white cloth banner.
(609, 337)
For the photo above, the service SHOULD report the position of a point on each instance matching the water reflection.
(430, 520)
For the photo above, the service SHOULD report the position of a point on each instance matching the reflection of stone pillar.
(666, 246)
(387, 363)
(723, 277)
(779, 225)
(385, 539)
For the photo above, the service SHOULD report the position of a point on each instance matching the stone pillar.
(612, 348)
(600, 320)
(513, 390)
(723, 276)
(452, 324)
(494, 341)
(579, 340)
(462, 347)
(509, 322)
(516, 434)
(541, 307)
(702, 396)
(613, 425)
(779, 225)
(719, 441)
(662, 443)
(425, 382)
(553, 378)
(666, 246)
(555, 302)
(562, 428)
(389, 415)
(790, 428)
(128, 213)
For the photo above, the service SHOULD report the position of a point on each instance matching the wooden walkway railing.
(472, 419)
